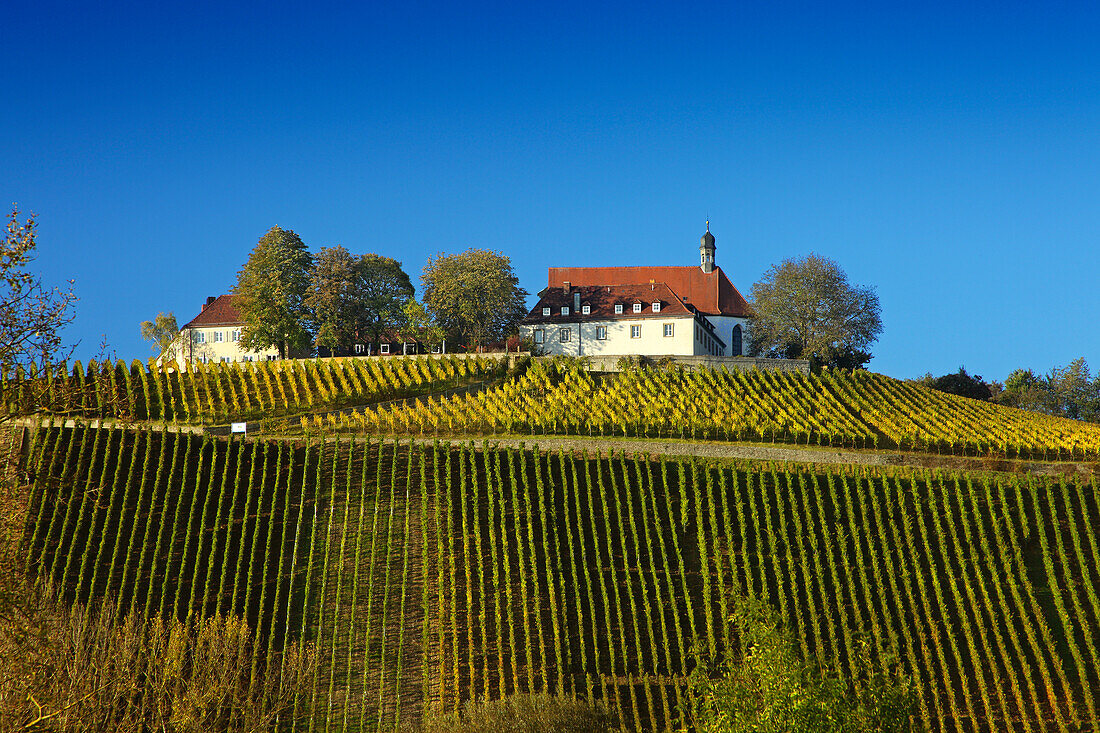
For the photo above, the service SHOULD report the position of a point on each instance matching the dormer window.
(618, 308)
(565, 310)
(656, 306)
(546, 311)
(637, 307)
(586, 310)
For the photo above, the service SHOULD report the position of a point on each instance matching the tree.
(764, 686)
(331, 300)
(962, 384)
(32, 316)
(807, 309)
(1073, 392)
(419, 325)
(162, 331)
(474, 295)
(355, 297)
(271, 288)
(385, 289)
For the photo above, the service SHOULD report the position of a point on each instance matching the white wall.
(723, 326)
(652, 341)
(211, 350)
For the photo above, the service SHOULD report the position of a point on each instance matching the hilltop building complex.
(214, 336)
(651, 311)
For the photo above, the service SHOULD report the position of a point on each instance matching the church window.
(618, 308)
(735, 344)
(668, 329)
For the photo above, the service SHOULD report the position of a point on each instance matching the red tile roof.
(222, 312)
(711, 293)
(602, 299)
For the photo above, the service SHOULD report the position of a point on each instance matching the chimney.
(577, 302)
(209, 299)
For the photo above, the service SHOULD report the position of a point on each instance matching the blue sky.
(946, 154)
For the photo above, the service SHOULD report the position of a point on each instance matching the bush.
(536, 713)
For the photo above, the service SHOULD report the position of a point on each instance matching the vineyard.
(430, 575)
(857, 410)
(223, 392)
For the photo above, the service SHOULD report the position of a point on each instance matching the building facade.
(651, 311)
(215, 335)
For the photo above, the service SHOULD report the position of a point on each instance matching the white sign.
(239, 427)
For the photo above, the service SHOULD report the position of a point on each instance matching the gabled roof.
(711, 293)
(222, 312)
(601, 299)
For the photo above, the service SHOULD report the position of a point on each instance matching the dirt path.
(605, 446)
(707, 449)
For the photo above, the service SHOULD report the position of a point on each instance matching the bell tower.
(706, 251)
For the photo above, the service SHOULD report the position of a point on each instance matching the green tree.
(419, 325)
(1024, 389)
(962, 384)
(474, 295)
(807, 309)
(385, 289)
(1073, 392)
(162, 332)
(764, 686)
(331, 300)
(271, 288)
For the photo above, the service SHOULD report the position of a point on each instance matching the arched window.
(735, 344)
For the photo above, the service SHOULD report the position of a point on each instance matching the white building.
(651, 311)
(214, 335)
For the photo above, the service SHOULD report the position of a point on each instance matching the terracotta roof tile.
(601, 299)
(222, 312)
(711, 293)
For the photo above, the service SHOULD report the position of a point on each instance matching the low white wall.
(610, 363)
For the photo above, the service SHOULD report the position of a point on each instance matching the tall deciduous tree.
(331, 300)
(353, 297)
(419, 325)
(385, 288)
(161, 331)
(807, 309)
(271, 288)
(32, 315)
(474, 294)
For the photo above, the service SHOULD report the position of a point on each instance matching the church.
(650, 311)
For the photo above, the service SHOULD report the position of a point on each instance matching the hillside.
(475, 396)
(431, 575)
